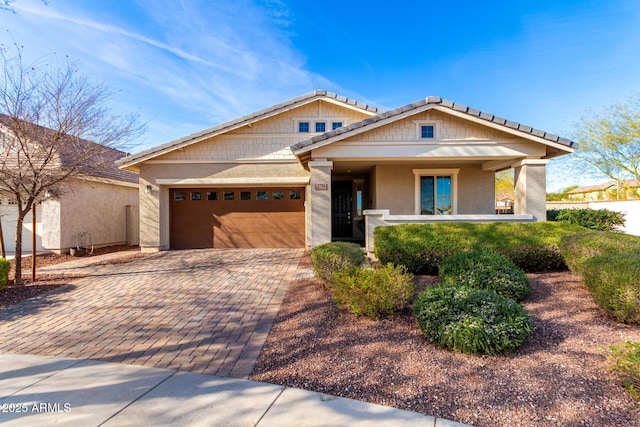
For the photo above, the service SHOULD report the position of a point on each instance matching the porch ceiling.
(357, 167)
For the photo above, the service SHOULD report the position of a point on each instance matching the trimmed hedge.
(576, 248)
(624, 362)
(593, 219)
(5, 267)
(421, 247)
(330, 258)
(486, 270)
(373, 292)
(614, 283)
(471, 320)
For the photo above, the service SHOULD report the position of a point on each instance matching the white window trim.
(436, 129)
(453, 173)
(328, 121)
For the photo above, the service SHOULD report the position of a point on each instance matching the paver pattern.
(204, 311)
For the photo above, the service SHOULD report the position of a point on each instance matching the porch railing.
(381, 217)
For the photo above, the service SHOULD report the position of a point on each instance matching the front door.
(341, 210)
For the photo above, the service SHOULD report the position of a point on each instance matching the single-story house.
(324, 167)
(101, 202)
(610, 190)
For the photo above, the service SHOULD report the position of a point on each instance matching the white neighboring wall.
(631, 209)
(9, 217)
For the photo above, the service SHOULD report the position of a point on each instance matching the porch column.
(531, 188)
(320, 218)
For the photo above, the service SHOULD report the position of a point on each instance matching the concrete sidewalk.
(37, 390)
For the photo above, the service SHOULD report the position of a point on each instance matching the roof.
(633, 183)
(245, 120)
(423, 105)
(107, 161)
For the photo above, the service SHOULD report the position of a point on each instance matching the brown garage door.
(236, 218)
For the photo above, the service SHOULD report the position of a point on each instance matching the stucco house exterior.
(102, 202)
(323, 167)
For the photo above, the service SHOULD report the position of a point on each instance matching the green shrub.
(624, 362)
(421, 247)
(593, 219)
(5, 267)
(486, 270)
(331, 257)
(614, 283)
(471, 320)
(373, 292)
(576, 248)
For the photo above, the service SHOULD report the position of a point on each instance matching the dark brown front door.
(341, 207)
(236, 218)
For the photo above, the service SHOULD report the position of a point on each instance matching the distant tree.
(505, 184)
(49, 114)
(561, 195)
(610, 141)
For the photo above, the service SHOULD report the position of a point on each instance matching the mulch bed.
(558, 377)
(13, 294)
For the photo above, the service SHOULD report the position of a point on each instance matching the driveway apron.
(203, 311)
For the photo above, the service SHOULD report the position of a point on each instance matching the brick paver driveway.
(205, 311)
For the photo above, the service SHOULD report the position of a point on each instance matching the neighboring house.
(103, 203)
(323, 167)
(610, 190)
(504, 205)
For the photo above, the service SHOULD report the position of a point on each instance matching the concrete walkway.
(36, 390)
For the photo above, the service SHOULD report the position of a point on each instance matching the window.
(245, 195)
(303, 127)
(178, 196)
(294, 195)
(320, 126)
(196, 195)
(436, 191)
(359, 199)
(212, 195)
(278, 195)
(336, 125)
(427, 131)
(262, 195)
(228, 195)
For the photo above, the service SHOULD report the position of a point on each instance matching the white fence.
(630, 208)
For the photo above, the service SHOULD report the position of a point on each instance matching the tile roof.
(434, 101)
(109, 156)
(249, 118)
(633, 183)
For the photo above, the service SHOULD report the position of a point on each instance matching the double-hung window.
(436, 192)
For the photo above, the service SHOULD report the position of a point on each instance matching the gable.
(246, 136)
(267, 139)
(477, 134)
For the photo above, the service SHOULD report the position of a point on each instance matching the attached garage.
(236, 218)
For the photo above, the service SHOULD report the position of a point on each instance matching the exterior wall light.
(147, 189)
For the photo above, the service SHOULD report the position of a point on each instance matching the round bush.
(373, 292)
(330, 258)
(472, 320)
(487, 270)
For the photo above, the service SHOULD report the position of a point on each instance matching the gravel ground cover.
(558, 378)
(13, 294)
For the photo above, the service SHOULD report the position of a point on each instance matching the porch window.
(321, 126)
(303, 127)
(436, 191)
(336, 125)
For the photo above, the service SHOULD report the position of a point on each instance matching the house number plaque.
(322, 186)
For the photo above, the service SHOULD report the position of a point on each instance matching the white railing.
(380, 217)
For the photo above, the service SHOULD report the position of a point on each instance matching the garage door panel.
(197, 222)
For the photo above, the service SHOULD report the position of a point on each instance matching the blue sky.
(188, 65)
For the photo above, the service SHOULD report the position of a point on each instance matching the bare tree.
(55, 124)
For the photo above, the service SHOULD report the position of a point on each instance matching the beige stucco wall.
(393, 188)
(96, 207)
